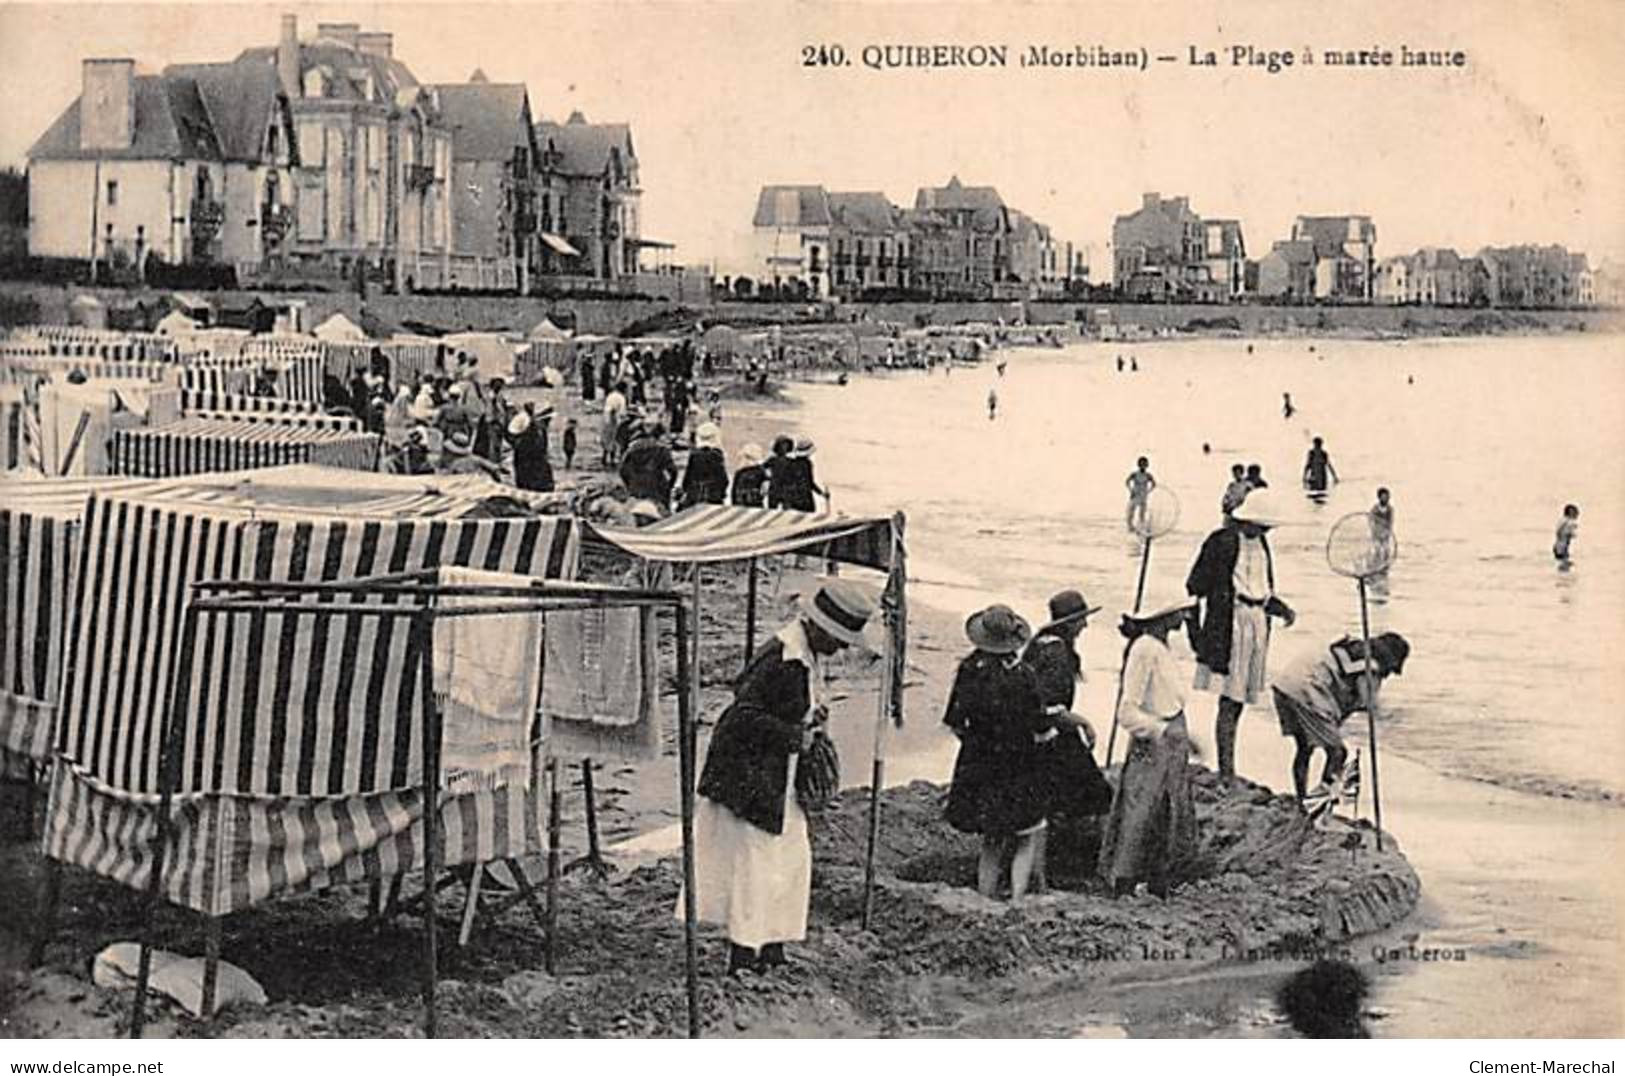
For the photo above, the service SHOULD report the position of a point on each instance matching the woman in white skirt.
(752, 855)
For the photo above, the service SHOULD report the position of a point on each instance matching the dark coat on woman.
(648, 471)
(532, 469)
(777, 468)
(747, 766)
(797, 487)
(749, 486)
(1076, 785)
(1212, 579)
(998, 787)
(705, 478)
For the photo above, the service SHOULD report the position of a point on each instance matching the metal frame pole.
(750, 611)
(1139, 596)
(1371, 711)
(685, 764)
(168, 768)
(424, 626)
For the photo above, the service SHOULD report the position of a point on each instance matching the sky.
(1524, 143)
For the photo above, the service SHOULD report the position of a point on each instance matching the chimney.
(376, 43)
(1150, 199)
(107, 105)
(287, 57)
(345, 33)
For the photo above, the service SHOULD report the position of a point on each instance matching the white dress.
(757, 884)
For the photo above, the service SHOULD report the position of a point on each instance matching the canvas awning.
(710, 533)
(559, 245)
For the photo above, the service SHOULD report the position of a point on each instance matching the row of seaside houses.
(957, 241)
(1166, 252)
(327, 155)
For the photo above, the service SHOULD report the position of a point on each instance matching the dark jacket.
(532, 469)
(748, 763)
(1212, 579)
(748, 486)
(794, 477)
(1055, 663)
(648, 471)
(1000, 783)
(705, 478)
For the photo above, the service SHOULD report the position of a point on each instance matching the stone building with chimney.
(589, 199)
(323, 153)
(496, 241)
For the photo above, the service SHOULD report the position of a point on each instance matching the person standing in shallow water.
(1140, 483)
(1317, 468)
(1233, 580)
(1315, 694)
(997, 792)
(1151, 834)
(1567, 528)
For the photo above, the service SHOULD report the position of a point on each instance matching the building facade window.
(112, 192)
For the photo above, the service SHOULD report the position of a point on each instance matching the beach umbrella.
(1361, 547)
(1160, 517)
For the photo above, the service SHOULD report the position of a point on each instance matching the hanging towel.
(485, 684)
(599, 689)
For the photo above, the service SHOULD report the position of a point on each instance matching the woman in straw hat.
(705, 475)
(998, 790)
(752, 855)
(1233, 578)
(750, 481)
(1151, 835)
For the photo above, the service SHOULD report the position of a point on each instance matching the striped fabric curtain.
(300, 744)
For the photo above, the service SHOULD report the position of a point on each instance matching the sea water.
(1515, 676)
(1503, 744)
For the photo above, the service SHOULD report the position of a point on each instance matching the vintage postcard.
(823, 520)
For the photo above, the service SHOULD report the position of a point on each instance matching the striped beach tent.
(711, 533)
(199, 400)
(275, 418)
(194, 445)
(300, 742)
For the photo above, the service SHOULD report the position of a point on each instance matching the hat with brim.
(751, 454)
(1391, 649)
(1156, 614)
(458, 444)
(1067, 607)
(998, 629)
(519, 423)
(841, 609)
(804, 446)
(708, 436)
(1261, 509)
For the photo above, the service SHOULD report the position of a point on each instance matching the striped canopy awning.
(709, 533)
(195, 445)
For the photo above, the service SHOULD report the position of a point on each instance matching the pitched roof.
(1295, 251)
(391, 78)
(487, 119)
(170, 122)
(863, 211)
(958, 196)
(239, 97)
(1329, 234)
(792, 206)
(586, 148)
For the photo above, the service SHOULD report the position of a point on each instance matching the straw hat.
(1067, 606)
(804, 446)
(841, 609)
(998, 629)
(519, 423)
(708, 436)
(1261, 508)
(1135, 623)
(751, 454)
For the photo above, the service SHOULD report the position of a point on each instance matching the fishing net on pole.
(1161, 515)
(1360, 546)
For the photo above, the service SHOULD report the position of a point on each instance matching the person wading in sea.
(1233, 580)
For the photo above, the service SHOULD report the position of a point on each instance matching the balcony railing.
(419, 177)
(276, 221)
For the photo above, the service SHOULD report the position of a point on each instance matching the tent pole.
(894, 613)
(694, 681)
(211, 966)
(431, 824)
(554, 801)
(168, 765)
(685, 767)
(750, 611)
(595, 859)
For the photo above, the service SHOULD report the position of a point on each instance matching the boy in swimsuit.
(1140, 483)
(1567, 527)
